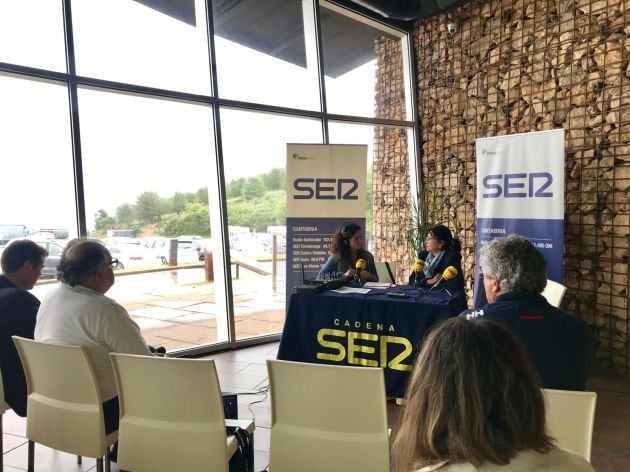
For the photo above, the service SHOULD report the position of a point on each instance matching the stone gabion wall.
(531, 65)
(391, 195)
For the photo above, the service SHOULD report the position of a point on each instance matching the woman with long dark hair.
(474, 403)
(346, 250)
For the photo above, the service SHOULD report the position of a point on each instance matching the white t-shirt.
(81, 316)
(556, 460)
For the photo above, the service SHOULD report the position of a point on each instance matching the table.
(370, 329)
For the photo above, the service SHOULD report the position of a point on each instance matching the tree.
(275, 179)
(126, 214)
(194, 219)
(102, 220)
(149, 207)
(254, 188)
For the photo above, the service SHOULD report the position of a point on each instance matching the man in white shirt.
(78, 313)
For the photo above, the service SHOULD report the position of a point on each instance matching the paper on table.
(377, 285)
(351, 290)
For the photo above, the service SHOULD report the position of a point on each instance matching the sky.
(154, 145)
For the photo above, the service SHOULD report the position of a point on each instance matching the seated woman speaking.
(442, 251)
(474, 403)
(346, 250)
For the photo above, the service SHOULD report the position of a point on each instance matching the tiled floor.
(244, 371)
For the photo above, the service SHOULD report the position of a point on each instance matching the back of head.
(80, 259)
(519, 266)
(16, 254)
(442, 233)
(474, 396)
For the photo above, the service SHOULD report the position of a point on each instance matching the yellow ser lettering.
(341, 351)
(396, 362)
(354, 348)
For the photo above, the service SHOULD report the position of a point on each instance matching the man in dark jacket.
(559, 343)
(21, 263)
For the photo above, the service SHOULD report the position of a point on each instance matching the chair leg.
(31, 456)
(99, 464)
(79, 460)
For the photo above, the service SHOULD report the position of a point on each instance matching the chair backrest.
(570, 418)
(326, 417)
(383, 274)
(65, 411)
(554, 292)
(171, 414)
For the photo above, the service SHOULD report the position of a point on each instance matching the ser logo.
(325, 189)
(532, 185)
(366, 349)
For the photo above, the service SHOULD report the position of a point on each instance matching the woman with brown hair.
(474, 404)
(346, 249)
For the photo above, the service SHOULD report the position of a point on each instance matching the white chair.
(554, 292)
(570, 418)
(171, 415)
(326, 417)
(383, 274)
(65, 411)
(3, 407)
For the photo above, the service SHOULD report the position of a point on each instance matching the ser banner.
(326, 187)
(520, 190)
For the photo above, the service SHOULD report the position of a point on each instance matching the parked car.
(195, 242)
(161, 247)
(133, 255)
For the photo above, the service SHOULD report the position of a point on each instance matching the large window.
(119, 129)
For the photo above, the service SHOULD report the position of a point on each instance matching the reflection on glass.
(147, 173)
(264, 56)
(255, 175)
(146, 42)
(363, 67)
(390, 167)
(31, 34)
(37, 191)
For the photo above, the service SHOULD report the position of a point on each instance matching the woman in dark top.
(442, 251)
(346, 250)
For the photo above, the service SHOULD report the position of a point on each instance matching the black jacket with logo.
(560, 344)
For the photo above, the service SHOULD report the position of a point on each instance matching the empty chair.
(570, 418)
(383, 274)
(554, 292)
(65, 411)
(326, 417)
(171, 415)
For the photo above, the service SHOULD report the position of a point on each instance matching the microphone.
(418, 265)
(449, 273)
(360, 265)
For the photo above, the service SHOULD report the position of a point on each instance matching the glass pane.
(31, 34)
(146, 42)
(390, 176)
(37, 191)
(255, 175)
(364, 67)
(148, 165)
(264, 54)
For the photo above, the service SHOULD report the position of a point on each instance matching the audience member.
(442, 251)
(474, 402)
(559, 343)
(77, 312)
(22, 263)
(346, 250)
